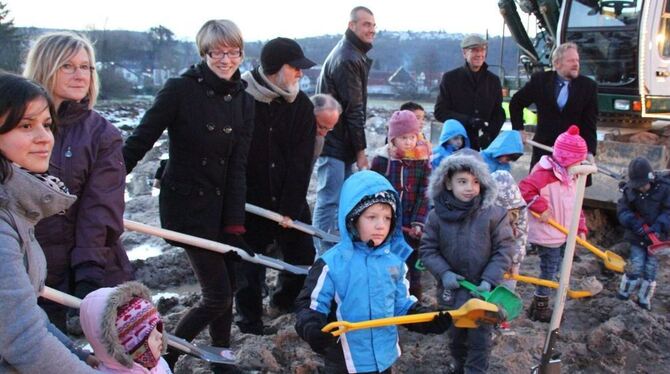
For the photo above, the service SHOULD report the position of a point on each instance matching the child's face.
(375, 223)
(456, 142)
(644, 188)
(420, 115)
(156, 342)
(405, 142)
(464, 185)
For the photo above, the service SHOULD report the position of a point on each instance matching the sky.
(258, 19)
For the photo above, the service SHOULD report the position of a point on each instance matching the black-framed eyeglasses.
(219, 55)
(69, 68)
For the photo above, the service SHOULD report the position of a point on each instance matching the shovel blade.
(506, 298)
(614, 262)
(659, 249)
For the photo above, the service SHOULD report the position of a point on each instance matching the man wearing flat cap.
(472, 95)
(278, 173)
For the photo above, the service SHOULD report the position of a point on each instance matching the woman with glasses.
(82, 246)
(209, 118)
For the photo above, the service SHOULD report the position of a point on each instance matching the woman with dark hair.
(209, 118)
(82, 247)
(27, 194)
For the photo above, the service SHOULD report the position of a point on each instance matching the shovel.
(213, 246)
(657, 247)
(591, 285)
(206, 353)
(500, 295)
(311, 230)
(469, 315)
(612, 260)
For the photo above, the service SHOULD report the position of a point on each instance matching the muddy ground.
(599, 335)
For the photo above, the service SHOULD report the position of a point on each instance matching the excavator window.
(664, 32)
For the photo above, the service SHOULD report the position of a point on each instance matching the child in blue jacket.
(644, 200)
(452, 138)
(505, 148)
(362, 278)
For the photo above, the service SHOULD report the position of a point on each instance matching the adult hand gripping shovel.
(591, 285)
(612, 260)
(213, 246)
(311, 230)
(500, 295)
(469, 315)
(657, 247)
(206, 353)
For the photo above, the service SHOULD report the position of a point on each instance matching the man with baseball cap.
(278, 173)
(472, 95)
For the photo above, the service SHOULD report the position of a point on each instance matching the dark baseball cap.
(280, 51)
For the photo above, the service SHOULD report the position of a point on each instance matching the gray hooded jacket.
(479, 246)
(25, 344)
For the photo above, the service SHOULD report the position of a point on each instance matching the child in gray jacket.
(466, 237)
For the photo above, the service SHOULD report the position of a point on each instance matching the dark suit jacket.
(581, 109)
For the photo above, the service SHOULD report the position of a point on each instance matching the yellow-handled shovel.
(591, 285)
(612, 260)
(469, 315)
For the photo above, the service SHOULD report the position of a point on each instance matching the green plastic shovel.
(501, 296)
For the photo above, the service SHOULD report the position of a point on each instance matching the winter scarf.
(451, 209)
(263, 90)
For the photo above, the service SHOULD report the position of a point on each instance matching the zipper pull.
(68, 152)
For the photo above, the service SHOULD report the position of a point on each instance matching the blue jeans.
(550, 262)
(331, 174)
(642, 265)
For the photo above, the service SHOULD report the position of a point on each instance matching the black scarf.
(449, 208)
(353, 39)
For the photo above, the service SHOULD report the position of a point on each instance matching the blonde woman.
(209, 118)
(82, 247)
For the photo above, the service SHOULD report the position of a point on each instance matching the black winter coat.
(345, 77)
(209, 122)
(280, 155)
(581, 109)
(651, 207)
(463, 98)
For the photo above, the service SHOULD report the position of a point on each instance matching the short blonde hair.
(560, 51)
(50, 52)
(218, 32)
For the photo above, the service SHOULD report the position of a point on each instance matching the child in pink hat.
(408, 170)
(550, 192)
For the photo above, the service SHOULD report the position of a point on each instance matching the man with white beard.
(278, 173)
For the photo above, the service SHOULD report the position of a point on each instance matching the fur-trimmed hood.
(459, 160)
(98, 321)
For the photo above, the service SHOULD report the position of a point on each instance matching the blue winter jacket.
(506, 143)
(360, 283)
(450, 129)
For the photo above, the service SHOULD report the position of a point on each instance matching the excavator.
(624, 45)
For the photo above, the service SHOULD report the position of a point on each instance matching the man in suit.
(472, 95)
(563, 97)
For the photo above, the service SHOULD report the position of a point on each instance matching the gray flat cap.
(473, 40)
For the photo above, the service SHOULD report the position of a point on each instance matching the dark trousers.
(470, 348)
(215, 273)
(296, 247)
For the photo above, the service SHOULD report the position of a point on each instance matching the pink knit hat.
(403, 122)
(570, 148)
(134, 322)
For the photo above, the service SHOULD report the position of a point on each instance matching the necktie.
(562, 95)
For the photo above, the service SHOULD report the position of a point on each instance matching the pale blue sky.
(258, 19)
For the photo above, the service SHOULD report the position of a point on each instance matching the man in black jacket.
(563, 97)
(345, 77)
(472, 95)
(278, 174)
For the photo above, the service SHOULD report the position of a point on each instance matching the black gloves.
(83, 288)
(317, 339)
(238, 242)
(438, 325)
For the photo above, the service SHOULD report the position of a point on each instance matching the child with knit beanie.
(409, 177)
(550, 191)
(124, 329)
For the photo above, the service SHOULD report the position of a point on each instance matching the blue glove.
(656, 229)
(640, 231)
(484, 287)
(450, 280)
